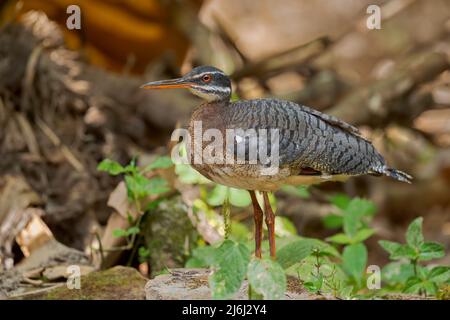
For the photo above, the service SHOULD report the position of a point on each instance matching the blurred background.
(71, 98)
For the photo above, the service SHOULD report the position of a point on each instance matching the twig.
(35, 292)
(30, 72)
(51, 135)
(292, 57)
(378, 99)
(27, 133)
(100, 248)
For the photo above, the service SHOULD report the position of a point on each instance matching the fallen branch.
(380, 99)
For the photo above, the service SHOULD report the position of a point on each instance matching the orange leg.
(258, 216)
(270, 222)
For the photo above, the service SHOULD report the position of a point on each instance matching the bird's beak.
(168, 84)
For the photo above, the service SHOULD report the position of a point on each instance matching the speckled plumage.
(308, 139)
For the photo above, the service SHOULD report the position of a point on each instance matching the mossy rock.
(118, 283)
(169, 235)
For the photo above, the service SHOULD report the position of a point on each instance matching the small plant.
(139, 187)
(353, 217)
(139, 190)
(313, 262)
(232, 263)
(407, 274)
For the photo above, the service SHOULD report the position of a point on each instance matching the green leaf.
(340, 200)
(230, 267)
(214, 219)
(217, 195)
(396, 273)
(324, 248)
(189, 175)
(325, 279)
(431, 250)
(354, 260)
(316, 285)
(118, 233)
(300, 191)
(353, 214)
(294, 252)
(413, 285)
(399, 251)
(362, 206)
(332, 221)
(389, 246)
(239, 231)
(414, 236)
(422, 272)
(139, 187)
(298, 250)
(144, 253)
(160, 163)
(153, 204)
(363, 234)
(157, 185)
(417, 285)
(202, 257)
(340, 238)
(284, 227)
(313, 286)
(112, 167)
(345, 292)
(136, 186)
(240, 198)
(351, 223)
(439, 274)
(133, 230)
(267, 278)
(405, 251)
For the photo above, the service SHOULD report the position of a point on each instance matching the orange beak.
(168, 84)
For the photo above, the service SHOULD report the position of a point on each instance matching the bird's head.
(206, 82)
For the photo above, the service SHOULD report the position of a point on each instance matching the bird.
(312, 146)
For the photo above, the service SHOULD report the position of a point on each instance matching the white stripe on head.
(207, 72)
(212, 94)
(210, 88)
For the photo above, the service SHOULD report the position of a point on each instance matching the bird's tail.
(397, 175)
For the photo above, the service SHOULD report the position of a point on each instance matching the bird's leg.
(258, 216)
(270, 222)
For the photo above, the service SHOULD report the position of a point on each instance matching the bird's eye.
(206, 78)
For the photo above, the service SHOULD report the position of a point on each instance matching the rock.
(118, 283)
(193, 284)
(58, 272)
(178, 285)
(9, 282)
(169, 234)
(52, 253)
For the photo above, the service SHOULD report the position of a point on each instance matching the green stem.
(226, 211)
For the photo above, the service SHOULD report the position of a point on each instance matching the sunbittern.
(313, 147)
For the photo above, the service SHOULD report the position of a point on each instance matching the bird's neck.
(211, 113)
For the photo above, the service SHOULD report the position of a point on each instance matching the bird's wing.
(334, 121)
(307, 138)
